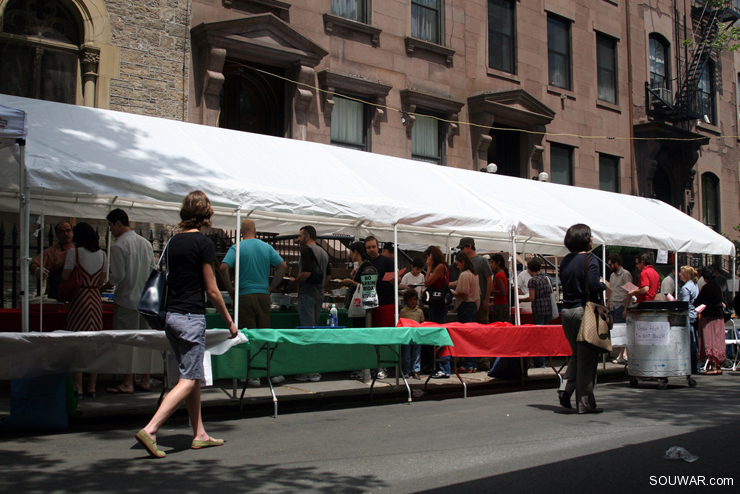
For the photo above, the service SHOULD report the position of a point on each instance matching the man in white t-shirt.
(522, 280)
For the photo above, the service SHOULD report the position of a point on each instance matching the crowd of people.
(480, 293)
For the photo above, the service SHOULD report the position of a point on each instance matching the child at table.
(411, 353)
(414, 277)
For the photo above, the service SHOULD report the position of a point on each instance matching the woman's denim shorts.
(187, 335)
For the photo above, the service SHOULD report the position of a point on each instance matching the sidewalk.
(334, 388)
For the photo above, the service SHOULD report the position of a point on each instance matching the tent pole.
(395, 268)
(107, 254)
(603, 261)
(236, 265)
(675, 275)
(25, 260)
(517, 316)
(41, 267)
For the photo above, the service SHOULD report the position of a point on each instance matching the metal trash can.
(658, 345)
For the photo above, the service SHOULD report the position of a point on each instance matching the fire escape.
(707, 23)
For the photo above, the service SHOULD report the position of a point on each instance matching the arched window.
(710, 201)
(40, 48)
(659, 62)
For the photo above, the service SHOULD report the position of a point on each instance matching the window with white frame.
(561, 164)
(355, 10)
(502, 35)
(426, 20)
(606, 68)
(559, 52)
(349, 124)
(608, 173)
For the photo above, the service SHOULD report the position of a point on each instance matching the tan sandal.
(149, 444)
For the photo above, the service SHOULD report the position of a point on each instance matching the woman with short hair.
(577, 268)
(190, 257)
(688, 293)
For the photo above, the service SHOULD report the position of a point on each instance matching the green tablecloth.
(302, 351)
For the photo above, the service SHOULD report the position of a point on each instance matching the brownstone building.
(594, 93)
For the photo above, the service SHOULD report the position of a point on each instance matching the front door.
(251, 100)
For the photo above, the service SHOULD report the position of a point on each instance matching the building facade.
(594, 93)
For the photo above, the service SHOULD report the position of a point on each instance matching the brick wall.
(154, 39)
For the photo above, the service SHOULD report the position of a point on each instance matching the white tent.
(85, 161)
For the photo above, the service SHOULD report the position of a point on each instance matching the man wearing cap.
(485, 277)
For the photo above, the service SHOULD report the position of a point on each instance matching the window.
(561, 164)
(426, 140)
(426, 20)
(501, 35)
(349, 124)
(659, 73)
(608, 173)
(350, 9)
(710, 201)
(41, 60)
(558, 52)
(606, 68)
(705, 93)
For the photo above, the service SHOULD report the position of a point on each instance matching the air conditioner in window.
(661, 97)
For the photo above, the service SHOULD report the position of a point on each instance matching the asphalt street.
(508, 443)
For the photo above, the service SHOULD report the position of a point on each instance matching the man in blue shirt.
(255, 259)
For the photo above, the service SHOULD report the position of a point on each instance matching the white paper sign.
(207, 370)
(652, 333)
(662, 257)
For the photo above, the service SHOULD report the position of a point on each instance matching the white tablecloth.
(109, 352)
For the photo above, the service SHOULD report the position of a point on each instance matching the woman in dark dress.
(581, 372)
(190, 257)
(711, 322)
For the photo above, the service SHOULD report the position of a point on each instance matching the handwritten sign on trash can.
(656, 333)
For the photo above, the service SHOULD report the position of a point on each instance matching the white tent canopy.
(84, 161)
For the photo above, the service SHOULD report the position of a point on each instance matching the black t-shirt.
(386, 295)
(186, 254)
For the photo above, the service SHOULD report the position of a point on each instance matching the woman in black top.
(359, 255)
(711, 323)
(190, 258)
(581, 371)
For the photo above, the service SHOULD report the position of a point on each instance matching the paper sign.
(207, 370)
(656, 333)
(662, 257)
(630, 287)
(369, 295)
(389, 275)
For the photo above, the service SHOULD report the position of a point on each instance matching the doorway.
(505, 151)
(252, 101)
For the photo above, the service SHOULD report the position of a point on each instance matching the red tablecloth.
(10, 320)
(501, 339)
